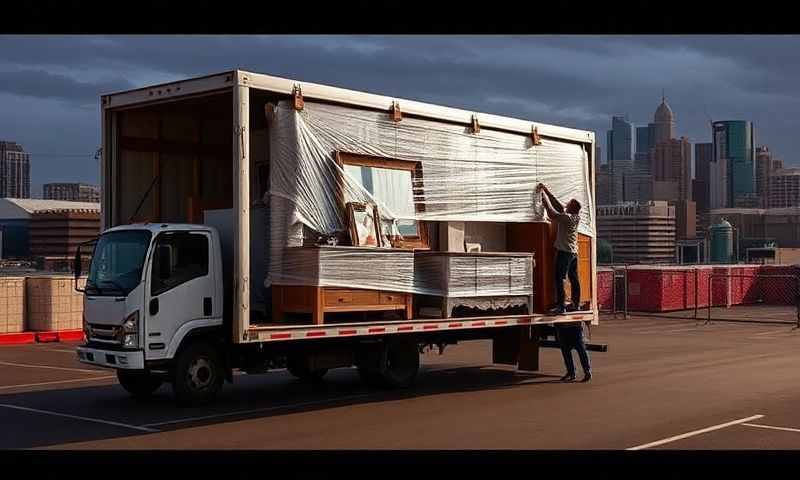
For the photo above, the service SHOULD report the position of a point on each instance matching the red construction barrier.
(17, 338)
(41, 337)
(605, 289)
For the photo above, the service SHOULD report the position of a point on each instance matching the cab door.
(180, 290)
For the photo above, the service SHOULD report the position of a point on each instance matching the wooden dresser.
(320, 279)
(538, 237)
(486, 280)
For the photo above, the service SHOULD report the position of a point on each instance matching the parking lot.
(665, 383)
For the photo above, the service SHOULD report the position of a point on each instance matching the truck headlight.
(130, 331)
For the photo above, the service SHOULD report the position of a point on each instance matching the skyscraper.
(15, 171)
(641, 160)
(621, 147)
(763, 172)
(734, 145)
(703, 154)
(672, 162)
(664, 123)
(76, 192)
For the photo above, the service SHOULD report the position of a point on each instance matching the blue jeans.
(570, 337)
(567, 265)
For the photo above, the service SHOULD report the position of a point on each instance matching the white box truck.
(235, 233)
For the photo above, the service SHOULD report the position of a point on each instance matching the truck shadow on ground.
(108, 412)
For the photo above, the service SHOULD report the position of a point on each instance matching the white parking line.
(50, 367)
(784, 429)
(76, 417)
(57, 382)
(256, 410)
(695, 432)
(771, 332)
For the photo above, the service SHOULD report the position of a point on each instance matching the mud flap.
(506, 346)
(528, 349)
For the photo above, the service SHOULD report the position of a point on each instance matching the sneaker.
(571, 308)
(586, 378)
(568, 378)
(556, 311)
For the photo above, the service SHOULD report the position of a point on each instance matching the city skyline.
(53, 83)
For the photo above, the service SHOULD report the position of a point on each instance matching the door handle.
(154, 306)
(207, 307)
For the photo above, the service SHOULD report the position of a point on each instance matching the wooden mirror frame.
(419, 241)
(352, 208)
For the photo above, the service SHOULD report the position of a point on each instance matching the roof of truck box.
(311, 91)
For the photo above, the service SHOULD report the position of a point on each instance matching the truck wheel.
(402, 364)
(297, 367)
(139, 383)
(401, 368)
(198, 375)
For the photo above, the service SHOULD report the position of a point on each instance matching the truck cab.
(149, 290)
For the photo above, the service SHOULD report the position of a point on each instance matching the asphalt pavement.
(665, 383)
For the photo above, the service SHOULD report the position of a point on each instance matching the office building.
(621, 148)
(734, 145)
(74, 192)
(758, 225)
(703, 155)
(15, 171)
(784, 188)
(663, 123)
(672, 162)
(603, 185)
(25, 236)
(637, 188)
(763, 170)
(641, 157)
(638, 232)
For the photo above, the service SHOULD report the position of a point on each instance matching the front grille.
(105, 333)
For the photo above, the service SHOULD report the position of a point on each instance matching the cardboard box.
(53, 304)
(12, 304)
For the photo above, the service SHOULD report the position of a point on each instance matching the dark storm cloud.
(42, 84)
(577, 81)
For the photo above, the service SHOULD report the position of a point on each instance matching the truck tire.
(400, 369)
(198, 374)
(298, 367)
(139, 383)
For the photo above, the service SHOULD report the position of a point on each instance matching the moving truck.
(255, 223)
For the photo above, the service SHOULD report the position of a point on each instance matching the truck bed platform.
(276, 332)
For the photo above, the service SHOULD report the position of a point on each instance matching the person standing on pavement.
(569, 335)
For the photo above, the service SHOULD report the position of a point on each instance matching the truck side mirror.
(164, 253)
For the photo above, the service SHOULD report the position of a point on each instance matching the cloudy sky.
(49, 85)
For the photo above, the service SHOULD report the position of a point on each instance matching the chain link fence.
(743, 293)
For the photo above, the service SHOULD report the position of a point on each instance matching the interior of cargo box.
(453, 246)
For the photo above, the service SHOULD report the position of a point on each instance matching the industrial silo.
(721, 236)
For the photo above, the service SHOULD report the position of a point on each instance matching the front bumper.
(129, 360)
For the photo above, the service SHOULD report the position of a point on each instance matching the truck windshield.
(117, 262)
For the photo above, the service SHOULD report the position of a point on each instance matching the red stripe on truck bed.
(376, 330)
(316, 334)
(405, 328)
(430, 327)
(348, 332)
(280, 335)
(454, 325)
(500, 322)
(479, 324)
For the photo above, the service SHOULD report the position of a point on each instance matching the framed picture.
(363, 224)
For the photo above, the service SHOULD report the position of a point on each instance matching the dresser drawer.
(393, 298)
(350, 297)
